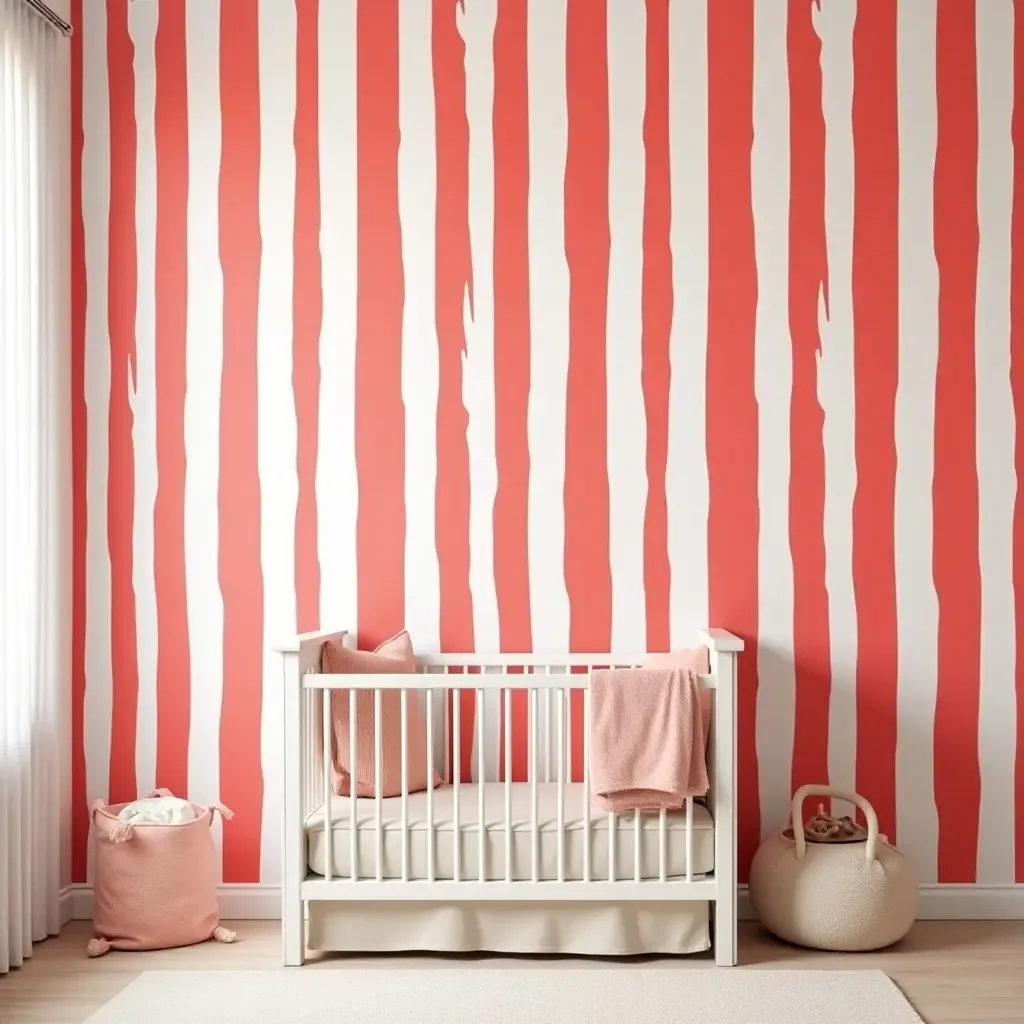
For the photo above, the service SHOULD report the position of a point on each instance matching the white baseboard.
(948, 903)
(67, 904)
(937, 903)
(237, 902)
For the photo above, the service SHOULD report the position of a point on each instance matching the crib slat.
(353, 787)
(612, 844)
(586, 785)
(311, 762)
(481, 775)
(449, 756)
(456, 772)
(328, 831)
(378, 778)
(430, 785)
(547, 730)
(662, 844)
(508, 785)
(534, 771)
(567, 696)
(405, 785)
(689, 838)
(636, 846)
(561, 784)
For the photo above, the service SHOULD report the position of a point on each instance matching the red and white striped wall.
(556, 324)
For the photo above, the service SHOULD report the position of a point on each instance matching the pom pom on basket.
(832, 884)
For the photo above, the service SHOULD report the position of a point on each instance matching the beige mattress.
(494, 839)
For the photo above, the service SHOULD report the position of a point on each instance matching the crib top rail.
(714, 639)
(473, 671)
(482, 680)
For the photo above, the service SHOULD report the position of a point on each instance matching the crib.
(411, 864)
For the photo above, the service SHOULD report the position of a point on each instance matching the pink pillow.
(696, 659)
(394, 655)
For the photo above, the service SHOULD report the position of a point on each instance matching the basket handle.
(854, 798)
(120, 832)
(225, 812)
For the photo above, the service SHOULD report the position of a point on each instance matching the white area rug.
(554, 995)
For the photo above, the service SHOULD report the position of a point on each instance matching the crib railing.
(549, 690)
(555, 689)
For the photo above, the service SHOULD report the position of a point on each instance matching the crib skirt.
(581, 928)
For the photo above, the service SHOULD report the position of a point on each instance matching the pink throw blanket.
(646, 744)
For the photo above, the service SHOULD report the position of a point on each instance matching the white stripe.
(549, 324)
(417, 201)
(834, 24)
(277, 431)
(686, 474)
(997, 478)
(337, 488)
(142, 22)
(95, 216)
(476, 23)
(773, 385)
(627, 416)
(917, 826)
(204, 339)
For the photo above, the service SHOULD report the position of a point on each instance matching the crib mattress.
(494, 837)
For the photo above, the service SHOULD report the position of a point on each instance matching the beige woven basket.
(857, 893)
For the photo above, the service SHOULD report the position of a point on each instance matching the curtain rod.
(51, 16)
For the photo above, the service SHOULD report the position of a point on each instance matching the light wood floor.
(969, 972)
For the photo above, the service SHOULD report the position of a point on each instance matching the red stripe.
(731, 405)
(1017, 385)
(173, 670)
(955, 489)
(876, 372)
(808, 278)
(512, 353)
(379, 413)
(122, 278)
(79, 513)
(453, 280)
(307, 310)
(241, 578)
(657, 322)
(587, 249)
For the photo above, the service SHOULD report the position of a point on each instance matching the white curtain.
(35, 494)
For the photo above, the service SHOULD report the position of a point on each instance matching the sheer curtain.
(35, 494)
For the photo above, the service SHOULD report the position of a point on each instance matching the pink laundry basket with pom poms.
(154, 885)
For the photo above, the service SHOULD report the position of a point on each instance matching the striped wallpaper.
(556, 324)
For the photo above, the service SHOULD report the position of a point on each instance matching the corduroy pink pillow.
(394, 655)
(154, 885)
(697, 660)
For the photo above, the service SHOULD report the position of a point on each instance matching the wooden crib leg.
(294, 869)
(724, 648)
(293, 931)
(725, 934)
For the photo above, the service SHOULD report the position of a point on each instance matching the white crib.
(540, 843)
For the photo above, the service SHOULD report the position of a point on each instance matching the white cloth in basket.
(158, 810)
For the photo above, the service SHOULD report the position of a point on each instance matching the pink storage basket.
(154, 885)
